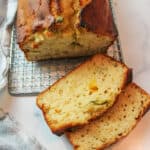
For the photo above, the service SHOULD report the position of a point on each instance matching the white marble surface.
(134, 29)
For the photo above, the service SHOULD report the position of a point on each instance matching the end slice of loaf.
(116, 123)
(83, 94)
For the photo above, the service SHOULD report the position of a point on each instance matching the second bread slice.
(84, 94)
(117, 122)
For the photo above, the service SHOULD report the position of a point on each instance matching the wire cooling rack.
(26, 78)
(30, 78)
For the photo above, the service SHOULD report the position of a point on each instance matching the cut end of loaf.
(64, 44)
(116, 123)
(84, 94)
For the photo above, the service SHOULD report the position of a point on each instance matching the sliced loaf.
(116, 123)
(83, 94)
(64, 28)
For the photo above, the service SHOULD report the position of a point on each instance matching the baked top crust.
(38, 15)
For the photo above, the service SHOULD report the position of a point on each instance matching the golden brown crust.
(113, 141)
(97, 17)
(64, 128)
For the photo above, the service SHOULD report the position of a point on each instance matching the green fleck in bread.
(83, 94)
(64, 28)
(116, 123)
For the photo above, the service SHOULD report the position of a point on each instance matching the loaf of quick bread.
(84, 94)
(116, 123)
(65, 28)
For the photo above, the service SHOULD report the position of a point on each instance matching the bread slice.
(116, 123)
(64, 28)
(83, 94)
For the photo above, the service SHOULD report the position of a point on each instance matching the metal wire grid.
(26, 78)
(30, 78)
